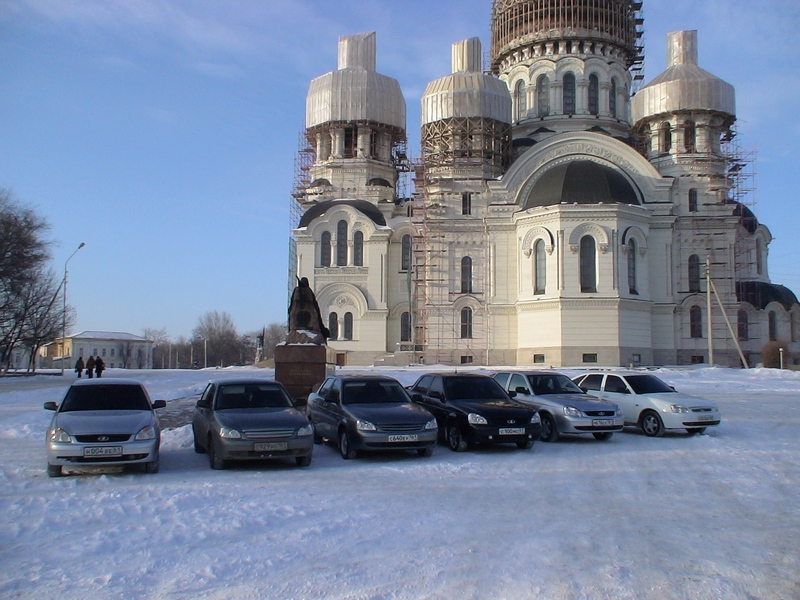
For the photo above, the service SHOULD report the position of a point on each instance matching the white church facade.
(557, 219)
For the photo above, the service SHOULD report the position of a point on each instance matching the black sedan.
(473, 408)
(370, 413)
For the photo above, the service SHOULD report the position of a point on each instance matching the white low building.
(119, 350)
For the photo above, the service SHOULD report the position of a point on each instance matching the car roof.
(610, 372)
(354, 377)
(531, 373)
(243, 380)
(108, 381)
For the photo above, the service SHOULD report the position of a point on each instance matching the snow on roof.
(108, 335)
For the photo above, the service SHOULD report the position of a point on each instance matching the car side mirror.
(521, 390)
(672, 387)
(513, 393)
(203, 403)
(437, 395)
(300, 401)
(50, 406)
(416, 397)
(159, 404)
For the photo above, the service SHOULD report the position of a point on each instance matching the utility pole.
(708, 312)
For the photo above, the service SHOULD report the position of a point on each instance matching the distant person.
(90, 366)
(79, 367)
(99, 366)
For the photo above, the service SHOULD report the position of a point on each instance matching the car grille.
(599, 413)
(100, 438)
(700, 409)
(505, 422)
(268, 434)
(395, 427)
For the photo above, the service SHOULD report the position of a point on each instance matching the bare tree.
(43, 320)
(217, 335)
(274, 334)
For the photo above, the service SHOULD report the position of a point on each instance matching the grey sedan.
(250, 419)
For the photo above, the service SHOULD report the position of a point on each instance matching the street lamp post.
(64, 314)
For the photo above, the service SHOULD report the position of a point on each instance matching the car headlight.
(571, 411)
(476, 419)
(431, 424)
(230, 434)
(59, 435)
(677, 408)
(536, 418)
(307, 430)
(618, 412)
(146, 433)
(365, 426)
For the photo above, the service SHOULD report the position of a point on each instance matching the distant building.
(559, 218)
(118, 350)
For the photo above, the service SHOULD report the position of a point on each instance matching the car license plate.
(403, 438)
(705, 418)
(103, 451)
(270, 446)
(602, 422)
(512, 431)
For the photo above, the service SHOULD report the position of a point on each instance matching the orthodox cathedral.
(558, 218)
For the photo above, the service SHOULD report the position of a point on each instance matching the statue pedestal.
(301, 367)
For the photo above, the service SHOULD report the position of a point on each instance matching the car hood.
(103, 421)
(261, 418)
(680, 398)
(582, 402)
(389, 412)
(500, 407)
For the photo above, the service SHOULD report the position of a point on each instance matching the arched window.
(759, 257)
(341, 244)
(333, 325)
(466, 323)
(539, 267)
(694, 273)
(543, 95)
(772, 322)
(466, 275)
(632, 267)
(405, 327)
(405, 253)
(569, 94)
(742, 326)
(612, 98)
(695, 322)
(692, 200)
(665, 140)
(689, 136)
(520, 101)
(588, 265)
(594, 95)
(325, 249)
(358, 249)
(348, 326)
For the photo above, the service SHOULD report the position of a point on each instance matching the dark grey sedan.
(250, 419)
(370, 413)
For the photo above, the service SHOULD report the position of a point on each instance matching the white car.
(649, 403)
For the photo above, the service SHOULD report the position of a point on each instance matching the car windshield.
(252, 395)
(648, 384)
(553, 384)
(369, 392)
(473, 388)
(105, 397)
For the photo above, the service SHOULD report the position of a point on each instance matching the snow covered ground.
(712, 516)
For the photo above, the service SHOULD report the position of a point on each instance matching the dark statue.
(305, 319)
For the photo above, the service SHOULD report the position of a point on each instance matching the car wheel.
(603, 435)
(303, 461)
(549, 430)
(651, 424)
(695, 430)
(344, 446)
(151, 467)
(455, 440)
(526, 445)
(213, 458)
(197, 445)
(425, 451)
(54, 470)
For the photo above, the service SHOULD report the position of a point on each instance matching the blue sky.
(163, 133)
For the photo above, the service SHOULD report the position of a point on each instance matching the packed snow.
(710, 516)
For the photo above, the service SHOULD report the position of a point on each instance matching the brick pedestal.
(301, 367)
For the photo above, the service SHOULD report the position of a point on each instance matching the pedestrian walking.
(90, 366)
(79, 367)
(99, 366)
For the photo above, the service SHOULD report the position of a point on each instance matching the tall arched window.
(632, 267)
(694, 273)
(348, 326)
(689, 136)
(594, 95)
(466, 275)
(665, 140)
(588, 265)
(772, 322)
(539, 267)
(466, 323)
(759, 257)
(325, 249)
(543, 95)
(333, 325)
(405, 327)
(742, 326)
(569, 94)
(693, 200)
(520, 101)
(341, 244)
(405, 253)
(358, 249)
(612, 98)
(695, 322)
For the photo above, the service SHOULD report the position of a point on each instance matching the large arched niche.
(342, 294)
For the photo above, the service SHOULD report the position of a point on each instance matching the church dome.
(581, 182)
